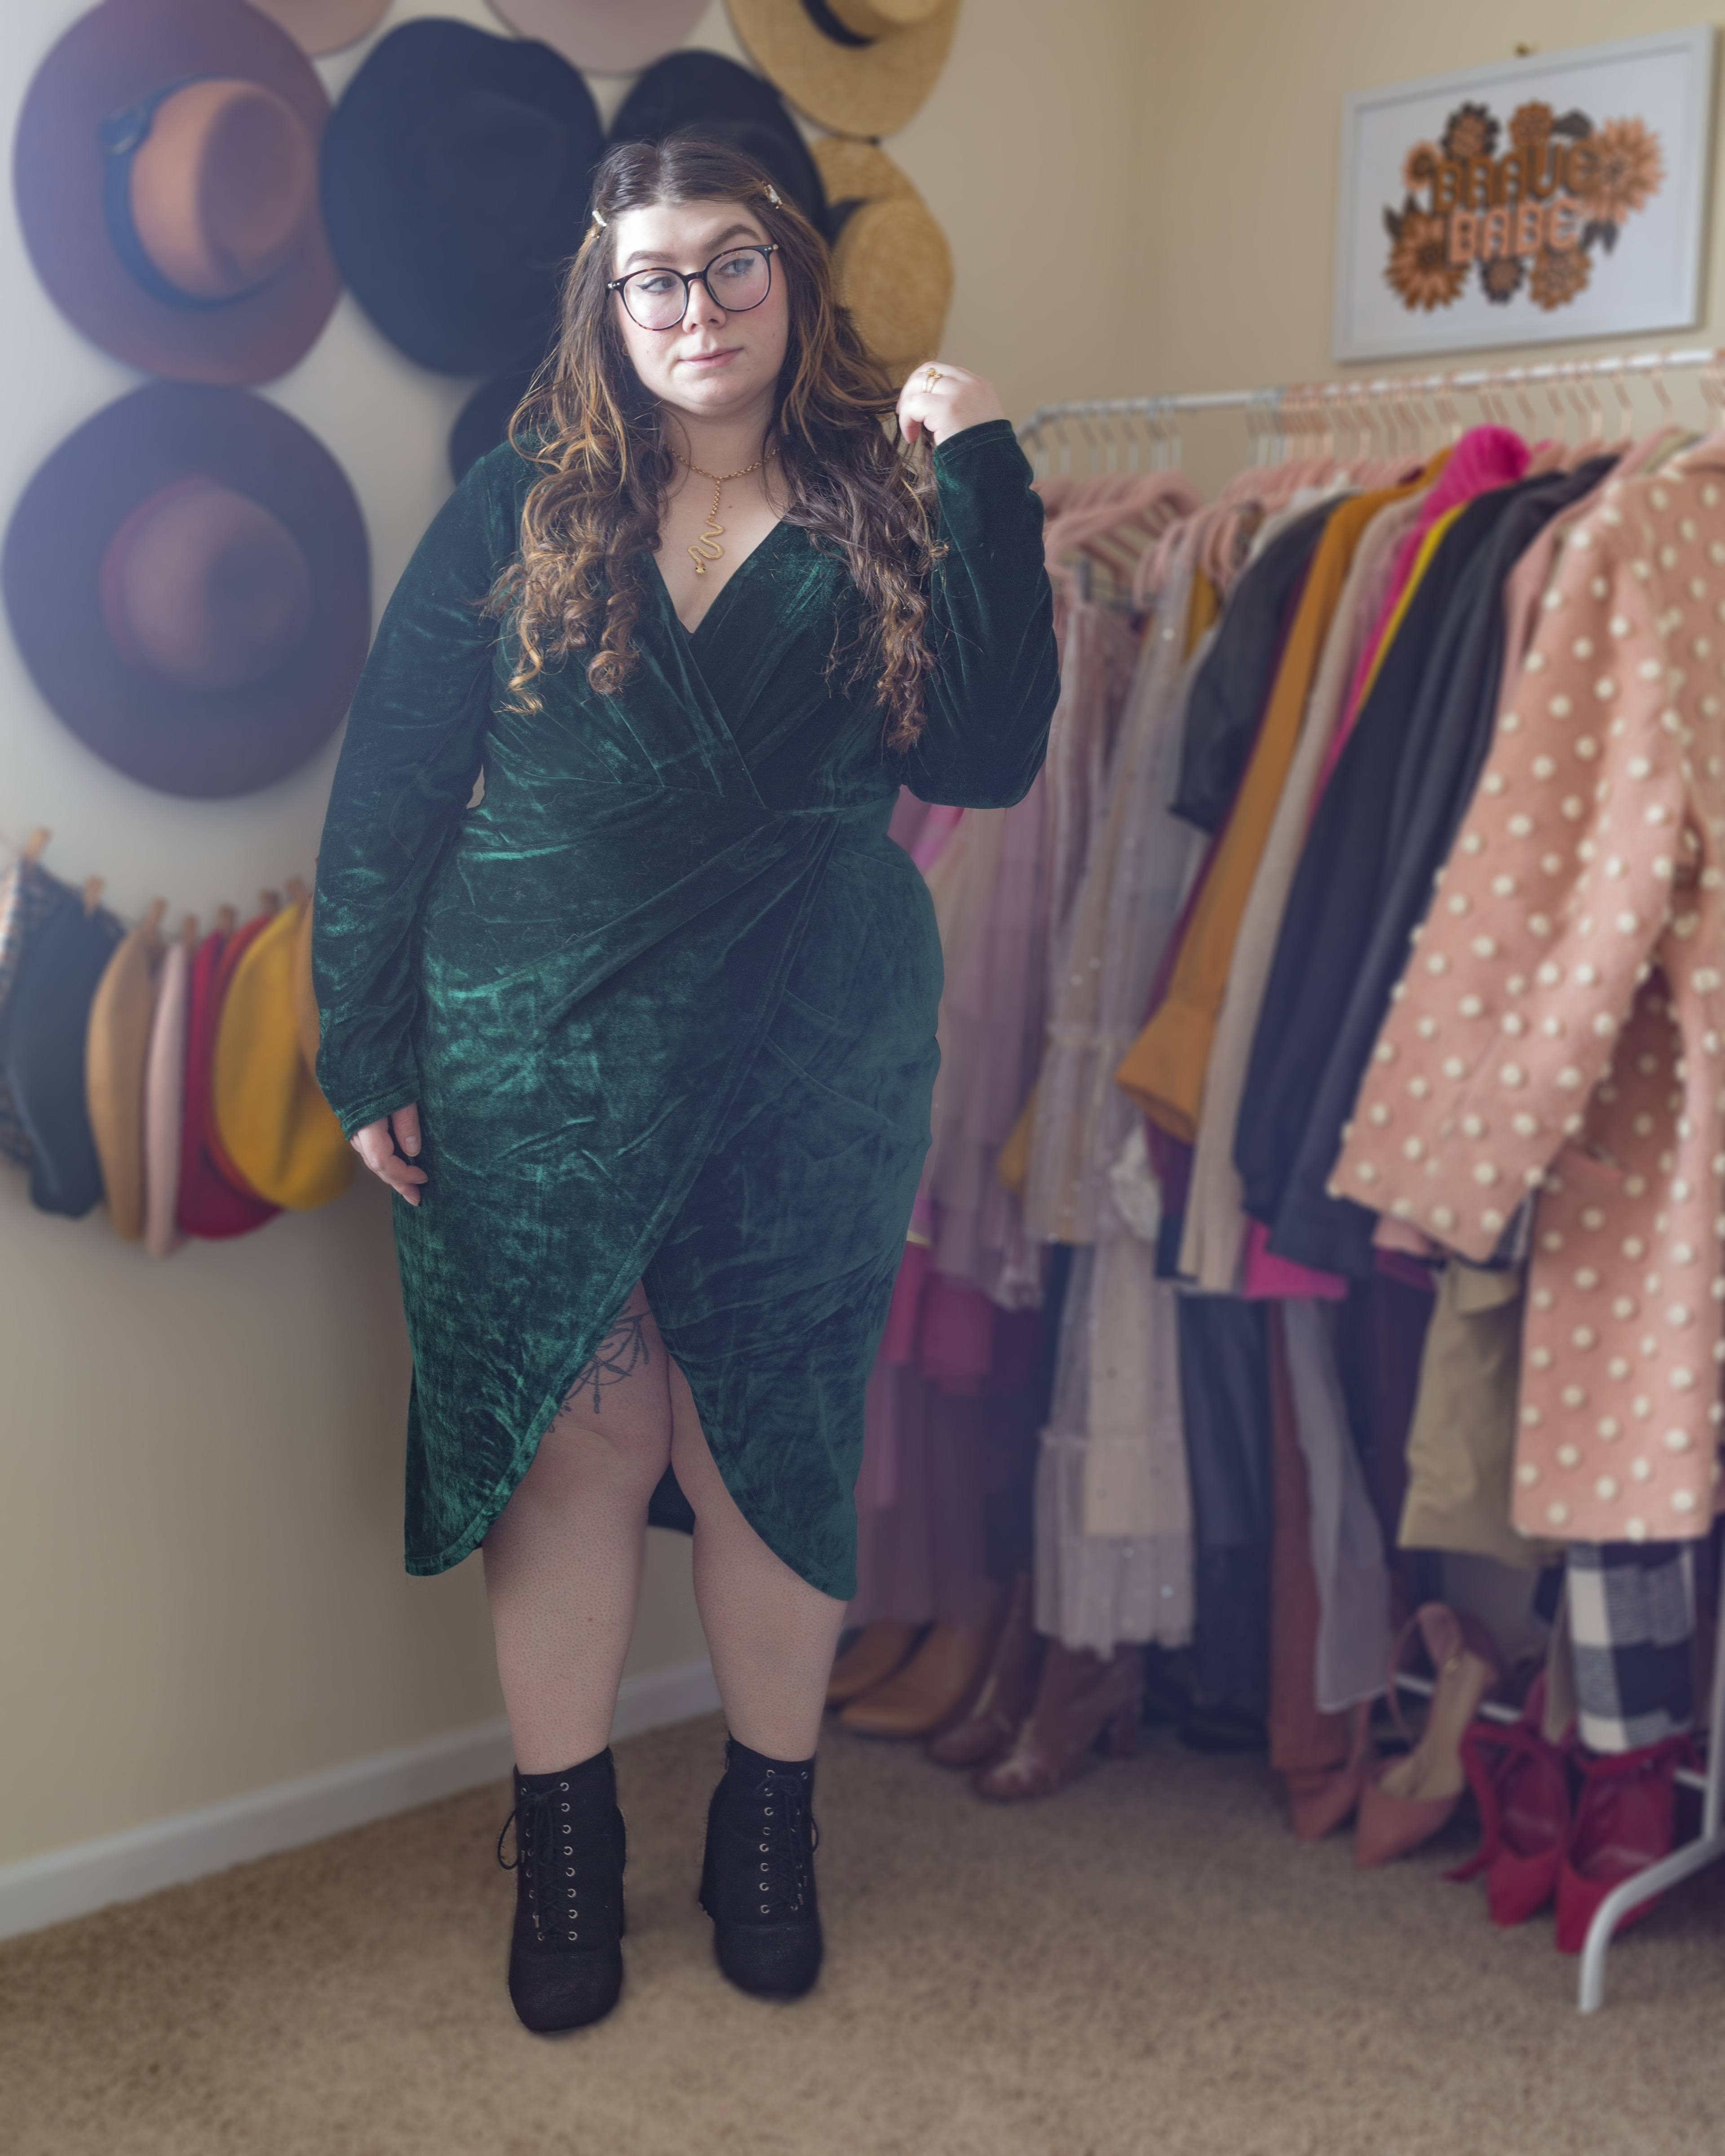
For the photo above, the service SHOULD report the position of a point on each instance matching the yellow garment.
(116, 1044)
(1163, 1070)
(1203, 605)
(1012, 1163)
(276, 1126)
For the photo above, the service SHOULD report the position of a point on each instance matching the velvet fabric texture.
(41, 1034)
(666, 995)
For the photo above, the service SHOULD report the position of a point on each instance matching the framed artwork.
(1561, 196)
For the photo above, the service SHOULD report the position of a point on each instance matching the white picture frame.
(1560, 267)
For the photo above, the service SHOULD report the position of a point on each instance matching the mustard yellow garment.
(1163, 1070)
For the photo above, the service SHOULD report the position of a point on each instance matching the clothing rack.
(1286, 407)
(1276, 414)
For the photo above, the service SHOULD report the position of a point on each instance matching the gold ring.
(931, 377)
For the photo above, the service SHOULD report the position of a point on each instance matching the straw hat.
(861, 66)
(324, 26)
(166, 164)
(188, 580)
(273, 1124)
(605, 37)
(456, 170)
(890, 260)
(116, 1046)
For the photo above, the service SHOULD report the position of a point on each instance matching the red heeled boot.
(1625, 1819)
(1520, 1784)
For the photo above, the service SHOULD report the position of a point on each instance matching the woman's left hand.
(944, 401)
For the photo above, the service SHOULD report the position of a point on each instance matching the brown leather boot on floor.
(937, 1683)
(872, 1656)
(1007, 1690)
(1081, 1700)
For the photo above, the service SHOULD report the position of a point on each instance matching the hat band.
(827, 23)
(123, 134)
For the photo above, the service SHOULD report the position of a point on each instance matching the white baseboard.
(70, 1882)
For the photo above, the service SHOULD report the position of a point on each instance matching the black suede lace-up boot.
(566, 1956)
(757, 1880)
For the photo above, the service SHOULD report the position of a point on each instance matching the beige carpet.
(1147, 1964)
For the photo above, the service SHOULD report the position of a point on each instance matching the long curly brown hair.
(598, 438)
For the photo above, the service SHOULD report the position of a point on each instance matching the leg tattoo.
(623, 1351)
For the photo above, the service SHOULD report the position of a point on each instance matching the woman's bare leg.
(771, 1634)
(563, 1560)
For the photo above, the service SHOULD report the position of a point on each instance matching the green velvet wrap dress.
(665, 995)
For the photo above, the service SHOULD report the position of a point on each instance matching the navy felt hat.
(42, 1029)
(456, 171)
(707, 91)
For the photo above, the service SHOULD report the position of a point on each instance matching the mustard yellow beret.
(116, 1042)
(277, 1127)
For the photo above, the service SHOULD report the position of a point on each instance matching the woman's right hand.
(381, 1145)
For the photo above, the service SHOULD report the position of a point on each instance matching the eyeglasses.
(737, 280)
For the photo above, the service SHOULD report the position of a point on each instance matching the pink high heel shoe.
(1409, 1799)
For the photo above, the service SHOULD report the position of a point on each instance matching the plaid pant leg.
(1632, 1627)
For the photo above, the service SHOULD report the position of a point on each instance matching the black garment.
(1383, 830)
(42, 1028)
(1225, 706)
(1225, 1395)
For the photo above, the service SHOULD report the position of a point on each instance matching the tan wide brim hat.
(606, 36)
(276, 1127)
(116, 1046)
(324, 26)
(862, 67)
(892, 263)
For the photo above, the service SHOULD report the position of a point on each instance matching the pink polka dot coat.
(1558, 1030)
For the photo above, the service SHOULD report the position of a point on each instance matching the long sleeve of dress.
(406, 772)
(994, 690)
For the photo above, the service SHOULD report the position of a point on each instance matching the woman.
(643, 1036)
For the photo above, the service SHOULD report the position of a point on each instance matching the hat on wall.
(165, 1104)
(606, 36)
(28, 895)
(274, 1125)
(165, 170)
(706, 91)
(455, 176)
(116, 1046)
(187, 578)
(211, 1204)
(324, 26)
(892, 263)
(861, 66)
(42, 1031)
(483, 421)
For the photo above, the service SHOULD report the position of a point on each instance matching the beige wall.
(200, 1590)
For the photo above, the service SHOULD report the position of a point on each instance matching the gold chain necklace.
(706, 548)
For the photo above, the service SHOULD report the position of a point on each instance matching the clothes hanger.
(94, 887)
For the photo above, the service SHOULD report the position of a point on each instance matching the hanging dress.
(665, 995)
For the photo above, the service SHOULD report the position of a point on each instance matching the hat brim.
(601, 36)
(487, 304)
(706, 91)
(109, 60)
(892, 263)
(318, 27)
(870, 88)
(197, 747)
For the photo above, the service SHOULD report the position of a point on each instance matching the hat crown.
(495, 162)
(220, 186)
(205, 588)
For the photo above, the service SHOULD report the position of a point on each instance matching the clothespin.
(188, 930)
(227, 920)
(35, 844)
(297, 891)
(269, 901)
(152, 920)
(93, 889)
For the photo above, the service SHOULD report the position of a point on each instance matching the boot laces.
(785, 1844)
(545, 1849)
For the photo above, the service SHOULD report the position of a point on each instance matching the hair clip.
(601, 223)
(772, 196)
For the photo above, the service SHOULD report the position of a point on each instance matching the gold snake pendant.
(706, 548)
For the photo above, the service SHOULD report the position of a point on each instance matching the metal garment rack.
(1278, 408)
(1282, 413)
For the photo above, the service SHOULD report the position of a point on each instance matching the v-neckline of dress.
(719, 606)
